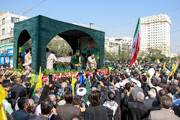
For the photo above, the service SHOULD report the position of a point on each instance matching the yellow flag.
(33, 79)
(2, 113)
(39, 82)
(72, 83)
(19, 49)
(3, 94)
(173, 70)
(164, 66)
(110, 68)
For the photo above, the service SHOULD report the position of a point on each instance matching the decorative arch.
(42, 29)
(23, 37)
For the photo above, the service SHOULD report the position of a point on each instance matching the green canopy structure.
(42, 30)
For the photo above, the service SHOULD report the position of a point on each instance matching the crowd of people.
(125, 93)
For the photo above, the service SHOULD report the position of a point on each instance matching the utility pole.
(90, 24)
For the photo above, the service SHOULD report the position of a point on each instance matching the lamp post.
(119, 46)
(90, 24)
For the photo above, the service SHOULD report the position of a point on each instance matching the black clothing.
(177, 110)
(96, 113)
(15, 92)
(137, 111)
(20, 115)
(44, 93)
(149, 103)
(145, 88)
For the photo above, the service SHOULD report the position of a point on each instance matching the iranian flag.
(136, 43)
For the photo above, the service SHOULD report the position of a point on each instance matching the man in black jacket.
(95, 111)
(67, 111)
(136, 109)
(22, 113)
(16, 90)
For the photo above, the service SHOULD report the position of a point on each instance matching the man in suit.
(22, 113)
(67, 111)
(16, 90)
(37, 95)
(165, 113)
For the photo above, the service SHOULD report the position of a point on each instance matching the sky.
(117, 18)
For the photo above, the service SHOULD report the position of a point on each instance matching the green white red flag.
(136, 43)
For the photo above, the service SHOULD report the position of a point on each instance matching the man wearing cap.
(75, 60)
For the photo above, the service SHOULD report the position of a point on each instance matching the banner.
(3, 94)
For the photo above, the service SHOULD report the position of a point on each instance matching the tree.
(147, 59)
(123, 56)
(60, 46)
(163, 58)
(28, 43)
(155, 54)
(126, 48)
(111, 56)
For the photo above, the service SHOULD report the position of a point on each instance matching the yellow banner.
(164, 66)
(39, 82)
(3, 94)
(173, 70)
(72, 83)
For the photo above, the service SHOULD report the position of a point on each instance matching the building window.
(17, 20)
(3, 21)
(12, 29)
(3, 31)
(14, 19)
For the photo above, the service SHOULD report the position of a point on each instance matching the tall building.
(155, 33)
(7, 21)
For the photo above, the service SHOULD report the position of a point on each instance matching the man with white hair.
(151, 100)
(137, 109)
(31, 106)
(37, 95)
(140, 97)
